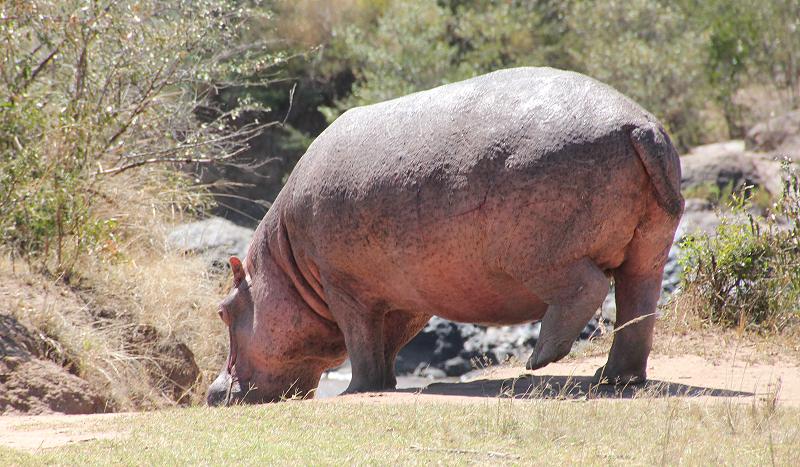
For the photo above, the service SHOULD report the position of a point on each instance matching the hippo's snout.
(221, 392)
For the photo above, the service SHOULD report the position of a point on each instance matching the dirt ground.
(720, 378)
(668, 376)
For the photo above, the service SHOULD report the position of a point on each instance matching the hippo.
(503, 199)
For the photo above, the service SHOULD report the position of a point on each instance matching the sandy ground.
(35, 432)
(701, 378)
(681, 376)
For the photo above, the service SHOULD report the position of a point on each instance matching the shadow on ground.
(569, 387)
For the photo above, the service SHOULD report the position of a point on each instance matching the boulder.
(779, 135)
(720, 149)
(32, 385)
(444, 348)
(699, 216)
(720, 164)
(728, 165)
(169, 363)
(215, 237)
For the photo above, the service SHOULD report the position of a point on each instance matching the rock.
(719, 164)
(214, 237)
(457, 366)
(728, 166)
(596, 327)
(444, 348)
(771, 170)
(429, 371)
(780, 135)
(439, 341)
(721, 149)
(30, 385)
(16, 340)
(672, 275)
(170, 363)
(699, 216)
(608, 310)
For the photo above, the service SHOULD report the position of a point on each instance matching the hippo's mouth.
(233, 352)
(227, 390)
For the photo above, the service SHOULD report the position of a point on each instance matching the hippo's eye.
(224, 316)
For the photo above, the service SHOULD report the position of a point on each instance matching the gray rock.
(699, 216)
(728, 164)
(214, 237)
(780, 135)
(720, 149)
(718, 164)
(444, 348)
(457, 366)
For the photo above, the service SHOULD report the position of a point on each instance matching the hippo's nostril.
(215, 398)
(220, 390)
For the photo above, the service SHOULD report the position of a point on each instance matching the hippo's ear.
(238, 270)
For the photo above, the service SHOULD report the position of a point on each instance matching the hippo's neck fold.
(276, 247)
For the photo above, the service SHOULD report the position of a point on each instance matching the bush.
(91, 90)
(747, 275)
(417, 45)
(645, 50)
(407, 51)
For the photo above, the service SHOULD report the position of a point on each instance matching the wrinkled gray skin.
(503, 199)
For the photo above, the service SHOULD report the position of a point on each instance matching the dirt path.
(35, 432)
(680, 376)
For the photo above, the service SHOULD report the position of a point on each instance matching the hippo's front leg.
(362, 327)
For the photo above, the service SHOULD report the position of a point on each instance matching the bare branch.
(158, 160)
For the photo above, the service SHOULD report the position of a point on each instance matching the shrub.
(89, 90)
(644, 49)
(747, 275)
(417, 45)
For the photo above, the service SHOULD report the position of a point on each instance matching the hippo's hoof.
(548, 353)
(533, 365)
(603, 376)
(359, 388)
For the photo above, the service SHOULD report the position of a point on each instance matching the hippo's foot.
(548, 353)
(610, 377)
(361, 387)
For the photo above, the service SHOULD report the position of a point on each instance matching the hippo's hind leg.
(637, 284)
(362, 326)
(573, 294)
(636, 298)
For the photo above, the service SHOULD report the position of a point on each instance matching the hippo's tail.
(663, 166)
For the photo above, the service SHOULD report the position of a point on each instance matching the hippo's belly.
(504, 302)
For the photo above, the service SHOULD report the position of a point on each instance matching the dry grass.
(680, 331)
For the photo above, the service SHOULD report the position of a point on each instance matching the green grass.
(639, 431)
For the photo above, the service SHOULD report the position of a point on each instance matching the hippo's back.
(514, 118)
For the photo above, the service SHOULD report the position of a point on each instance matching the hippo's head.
(272, 353)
